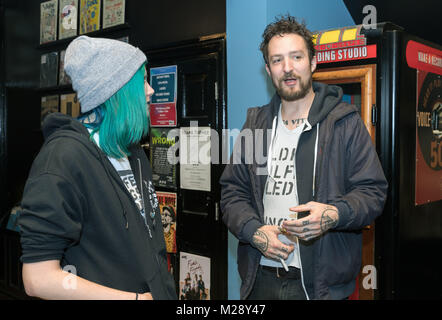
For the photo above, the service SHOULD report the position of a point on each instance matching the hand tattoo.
(261, 241)
(327, 221)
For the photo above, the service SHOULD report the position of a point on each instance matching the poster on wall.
(195, 158)
(428, 62)
(163, 102)
(168, 208)
(162, 157)
(194, 281)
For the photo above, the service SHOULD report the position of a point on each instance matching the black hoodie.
(76, 209)
(336, 163)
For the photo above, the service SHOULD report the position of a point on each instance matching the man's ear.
(268, 70)
(313, 64)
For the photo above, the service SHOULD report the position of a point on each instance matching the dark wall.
(151, 24)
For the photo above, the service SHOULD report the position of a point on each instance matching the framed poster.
(168, 208)
(195, 158)
(428, 63)
(194, 281)
(162, 146)
(163, 102)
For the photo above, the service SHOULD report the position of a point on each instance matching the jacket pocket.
(340, 257)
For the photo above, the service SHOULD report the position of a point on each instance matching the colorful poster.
(89, 15)
(194, 281)
(113, 12)
(168, 208)
(163, 104)
(162, 156)
(428, 62)
(67, 15)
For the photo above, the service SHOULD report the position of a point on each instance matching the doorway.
(359, 86)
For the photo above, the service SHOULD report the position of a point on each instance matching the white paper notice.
(195, 158)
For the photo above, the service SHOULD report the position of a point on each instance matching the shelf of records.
(52, 74)
(65, 19)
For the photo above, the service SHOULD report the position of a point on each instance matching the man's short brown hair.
(286, 25)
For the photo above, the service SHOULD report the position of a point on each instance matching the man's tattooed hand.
(322, 218)
(265, 239)
(261, 241)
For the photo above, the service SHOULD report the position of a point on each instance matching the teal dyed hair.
(122, 120)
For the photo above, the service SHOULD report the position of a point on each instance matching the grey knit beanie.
(100, 67)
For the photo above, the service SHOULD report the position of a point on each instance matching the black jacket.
(76, 209)
(347, 174)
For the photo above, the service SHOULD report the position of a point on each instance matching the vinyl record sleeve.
(67, 19)
(63, 78)
(113, 12)
(49, 104)
(90, 12)
(48, 21)
(49, 69)
(70, 105)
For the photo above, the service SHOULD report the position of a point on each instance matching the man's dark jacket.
(348, 175)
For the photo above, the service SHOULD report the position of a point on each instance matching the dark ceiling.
(422, 18)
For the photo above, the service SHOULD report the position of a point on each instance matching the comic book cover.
(67, 17)
(48, 21)
(89, 15)
(70, 105)
(194, 281)
(63, 78)
(49, 104)
(168, 208)
(48, 69)
(113, 12)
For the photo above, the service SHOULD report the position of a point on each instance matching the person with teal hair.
(90, 224)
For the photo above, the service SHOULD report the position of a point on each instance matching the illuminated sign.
(343, 44)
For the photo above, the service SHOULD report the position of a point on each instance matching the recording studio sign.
(346, 54)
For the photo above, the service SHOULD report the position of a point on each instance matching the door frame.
(366, 76)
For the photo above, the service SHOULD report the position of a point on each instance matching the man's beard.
(287, 94)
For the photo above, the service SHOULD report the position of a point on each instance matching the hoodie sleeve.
(366, 186)
(50, 219)
(239, 213)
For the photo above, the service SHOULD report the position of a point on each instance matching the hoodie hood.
(57, 125)
(59, 121)
(327, 97)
